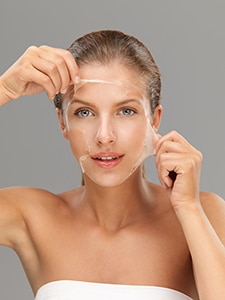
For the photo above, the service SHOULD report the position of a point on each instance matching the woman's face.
(107, 123)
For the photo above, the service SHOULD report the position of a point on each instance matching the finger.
(37, 68)
(172, 136)
(72, 66)
(65, 63)
(169, 168)
(39, 82)
(170, 147)
(173, 165)
(46, 83)
(55, 67)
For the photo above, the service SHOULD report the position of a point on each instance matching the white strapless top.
(80, 290)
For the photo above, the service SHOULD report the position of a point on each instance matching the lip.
(107, 160)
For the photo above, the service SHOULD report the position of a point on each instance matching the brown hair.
(107, 46)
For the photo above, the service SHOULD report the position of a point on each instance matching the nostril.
(105, 140)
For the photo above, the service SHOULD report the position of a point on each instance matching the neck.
(113, 208)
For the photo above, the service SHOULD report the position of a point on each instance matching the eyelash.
(79, 112)
(132, 111)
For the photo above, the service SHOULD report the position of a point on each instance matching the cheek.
(135, 134)
(78, 142)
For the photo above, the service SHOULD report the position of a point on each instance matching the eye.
(84, 113)
(127, 111)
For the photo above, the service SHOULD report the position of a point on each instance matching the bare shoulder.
(214, 208)
(46, 202)
(21, 194)
(212, 203)
(23, 201)
(40, 197)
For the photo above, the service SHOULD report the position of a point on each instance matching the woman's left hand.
(179, 167)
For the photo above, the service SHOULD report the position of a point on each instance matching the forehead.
(111, 81)
(113, 72)
(97, 89)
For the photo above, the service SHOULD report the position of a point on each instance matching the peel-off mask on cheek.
(109, 128)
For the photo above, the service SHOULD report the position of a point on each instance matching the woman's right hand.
(39, 69)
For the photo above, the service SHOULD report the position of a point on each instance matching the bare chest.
(145, 256)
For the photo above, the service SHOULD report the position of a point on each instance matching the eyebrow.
(81, 102)
(128, 101)
(123, 102)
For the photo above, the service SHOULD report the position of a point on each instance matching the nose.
(105, 133)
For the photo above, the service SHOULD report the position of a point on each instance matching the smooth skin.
(138, 232)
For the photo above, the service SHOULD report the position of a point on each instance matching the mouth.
(107, 160)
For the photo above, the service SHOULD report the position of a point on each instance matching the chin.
(107, 181)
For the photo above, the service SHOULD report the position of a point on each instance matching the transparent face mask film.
(92, 127)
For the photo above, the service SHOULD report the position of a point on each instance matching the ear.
(156, 118)
(62, 123)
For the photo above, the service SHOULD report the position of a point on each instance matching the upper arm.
(12, 222)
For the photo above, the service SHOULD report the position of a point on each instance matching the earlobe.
(65, 133)
(156, 118)
(61, 123)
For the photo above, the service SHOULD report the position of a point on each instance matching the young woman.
(118, 236)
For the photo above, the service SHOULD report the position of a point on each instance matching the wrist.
(188, 210)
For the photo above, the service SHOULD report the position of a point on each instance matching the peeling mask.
(111, 122)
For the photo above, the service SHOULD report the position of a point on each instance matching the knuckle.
(173, 133)
(59, 61)
(44, 47)
(192, 163)
(32, 48)
(52, 67)
(30, 51)
(198, 156)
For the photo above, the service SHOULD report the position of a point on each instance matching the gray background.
(187, 40)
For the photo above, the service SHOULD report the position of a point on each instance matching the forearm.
(207, 252)
(4, 97)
